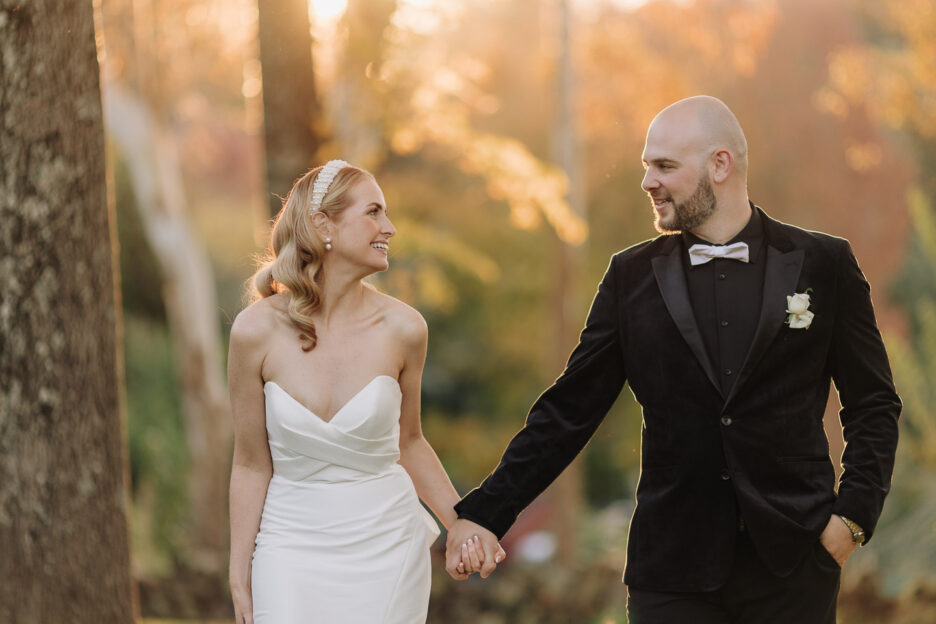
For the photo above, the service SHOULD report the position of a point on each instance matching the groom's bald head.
(702, 125)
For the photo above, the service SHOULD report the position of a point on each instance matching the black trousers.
(752, 594)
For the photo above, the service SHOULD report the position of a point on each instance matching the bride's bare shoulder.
(404, 320)
(256, 323)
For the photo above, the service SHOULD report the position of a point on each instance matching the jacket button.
(725, 420)
(724, 475)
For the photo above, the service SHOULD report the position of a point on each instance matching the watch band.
(858, 534)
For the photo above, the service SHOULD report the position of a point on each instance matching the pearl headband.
(322, 181)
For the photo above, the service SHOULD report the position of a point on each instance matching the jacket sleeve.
(870, 405)
(561, 421)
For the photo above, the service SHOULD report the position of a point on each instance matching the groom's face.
(676, 178)
(690, 213)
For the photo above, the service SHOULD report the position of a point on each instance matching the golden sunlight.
(328, 9)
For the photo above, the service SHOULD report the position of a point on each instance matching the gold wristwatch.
(858, 534)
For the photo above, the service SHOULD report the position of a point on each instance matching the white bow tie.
(700, 254)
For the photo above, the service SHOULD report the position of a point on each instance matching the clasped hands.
(471, 548)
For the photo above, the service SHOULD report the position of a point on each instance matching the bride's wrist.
(238, 585)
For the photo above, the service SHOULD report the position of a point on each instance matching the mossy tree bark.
(63, 528)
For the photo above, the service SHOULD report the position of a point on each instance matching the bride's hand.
(473, 557)
(243, 605)
(483, 541)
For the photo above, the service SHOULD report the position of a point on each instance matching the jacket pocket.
(824, 558)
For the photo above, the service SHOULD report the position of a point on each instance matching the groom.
(729, 328)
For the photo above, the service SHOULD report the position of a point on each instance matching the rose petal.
(800, 321)
(798, 303)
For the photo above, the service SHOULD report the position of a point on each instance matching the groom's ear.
(721, 165)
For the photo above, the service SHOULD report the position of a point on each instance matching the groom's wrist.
(480, 522)
(485, 510)
(857, 533)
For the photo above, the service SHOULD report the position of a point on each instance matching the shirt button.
(726, 420)
(724, 475)
(724, 323)
(728, 371)
(722, 276)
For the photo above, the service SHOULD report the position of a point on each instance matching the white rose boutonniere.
(798, 309)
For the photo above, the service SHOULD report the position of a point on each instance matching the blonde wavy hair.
(293, 262)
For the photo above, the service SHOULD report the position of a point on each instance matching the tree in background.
(290, 105)
(63, 496)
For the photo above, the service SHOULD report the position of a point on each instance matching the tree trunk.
(63, 470)
(189, 296)
(567, 491)
(290, 105)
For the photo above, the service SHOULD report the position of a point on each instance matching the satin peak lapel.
(671, 278)
(781, 274)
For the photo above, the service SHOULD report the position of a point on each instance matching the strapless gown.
(343, 538)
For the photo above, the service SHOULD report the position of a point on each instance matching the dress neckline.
(340, 409)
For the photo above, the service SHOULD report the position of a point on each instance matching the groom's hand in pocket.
(837, 539)
(481, 554)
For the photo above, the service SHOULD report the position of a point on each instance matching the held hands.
(471, 548)
(837, 539)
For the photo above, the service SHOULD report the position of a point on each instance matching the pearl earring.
(328, 244)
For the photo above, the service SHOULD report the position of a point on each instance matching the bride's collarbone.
(336, 368)
(375, 318)
(341, 362)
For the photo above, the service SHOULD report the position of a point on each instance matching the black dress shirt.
(726, 299)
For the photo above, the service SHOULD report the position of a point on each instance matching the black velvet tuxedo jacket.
(760, 452)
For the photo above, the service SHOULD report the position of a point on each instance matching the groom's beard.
(691, 213)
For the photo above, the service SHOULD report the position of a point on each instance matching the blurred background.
(506, 136)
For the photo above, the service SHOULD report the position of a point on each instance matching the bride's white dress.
(343, 538)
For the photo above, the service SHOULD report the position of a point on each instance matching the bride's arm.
(416, 455)
(252, 466)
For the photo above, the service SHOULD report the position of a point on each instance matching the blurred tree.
(188, 292)
(290, 104)
(63, 500)
(142, 40)
(567, 492)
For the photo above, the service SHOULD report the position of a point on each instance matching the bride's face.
(363, 230)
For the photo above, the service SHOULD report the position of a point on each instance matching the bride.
(324, 374)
